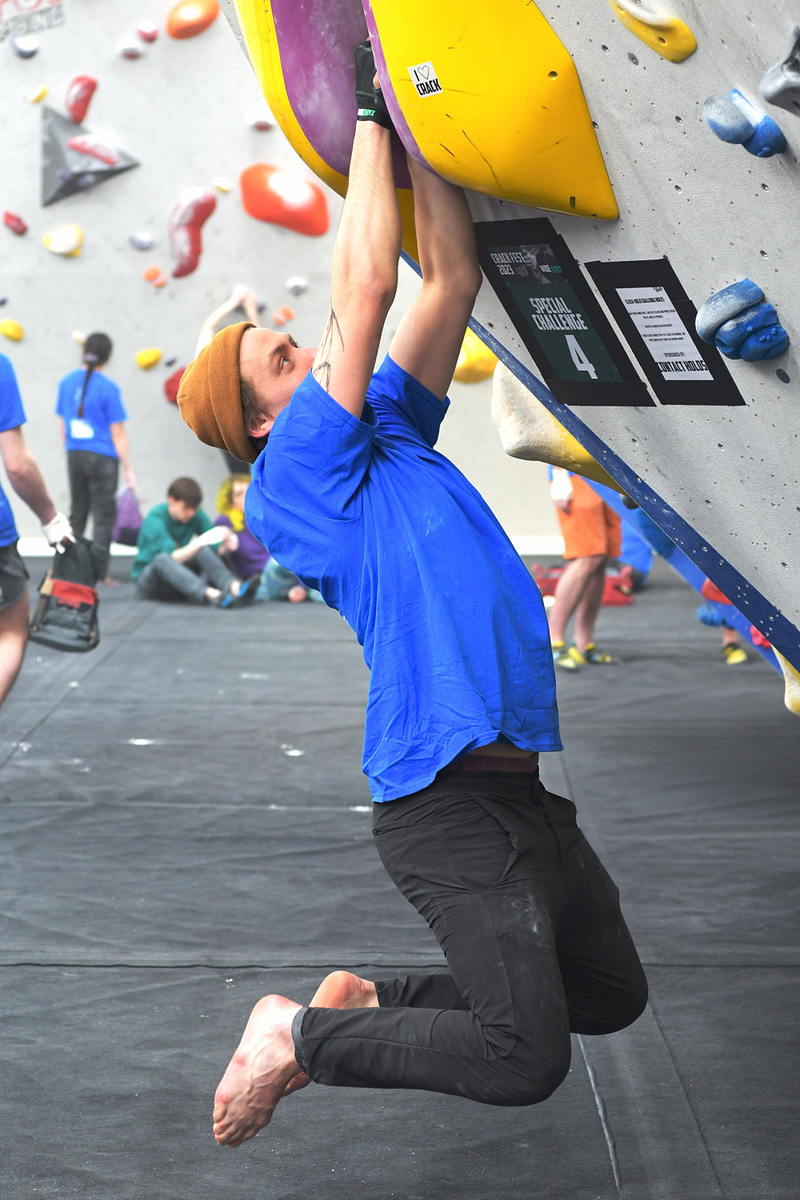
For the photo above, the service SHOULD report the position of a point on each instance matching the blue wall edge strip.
(778, 629)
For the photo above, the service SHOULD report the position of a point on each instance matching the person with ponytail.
(92, 420)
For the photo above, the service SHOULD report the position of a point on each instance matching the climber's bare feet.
(258, 1073)
(340, 989)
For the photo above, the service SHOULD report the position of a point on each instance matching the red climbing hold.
(758, 639)
(710, 591)
(193, 209)
(86, 144)
(15, 223)
(272, 194)
(191, 17)
(79, 93)
(147, 32)
(172, 383)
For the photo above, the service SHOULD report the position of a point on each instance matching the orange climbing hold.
(190, 17)
(272, 194)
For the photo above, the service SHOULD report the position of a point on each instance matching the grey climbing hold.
(726, 304)
(25, 46)
(768, 136)
(142, 241)
(726, 120)
(731, 334)
(780, 84)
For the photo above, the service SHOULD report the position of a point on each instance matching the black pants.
(93, 489)
(536, 945)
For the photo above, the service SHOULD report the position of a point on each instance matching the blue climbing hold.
(726, 304)
(731, 334)
(771, 342)
(724, 119)
(767, 137)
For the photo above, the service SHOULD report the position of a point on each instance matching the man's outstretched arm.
(363, 273)
(428, 340)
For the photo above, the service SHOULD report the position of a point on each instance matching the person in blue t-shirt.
(349, 492)
(92, 418)
(26, 479)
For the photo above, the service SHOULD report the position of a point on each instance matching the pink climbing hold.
(14, 223)
(79, 93)
(85, 143)
(186, 221)
(272, 194)
(172, 383)
(758, 639)
(147, 32)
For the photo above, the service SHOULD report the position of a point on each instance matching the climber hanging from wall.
(349, 493)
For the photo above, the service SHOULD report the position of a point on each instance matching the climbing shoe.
(369, 99)
(562, 658)
(590, 655)
(733, 655)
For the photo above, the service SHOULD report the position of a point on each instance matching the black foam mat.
(184, 826)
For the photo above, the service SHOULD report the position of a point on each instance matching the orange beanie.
(209, 398)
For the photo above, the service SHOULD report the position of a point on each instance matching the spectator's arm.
(240, 297)
(119, 437)
(24, 474)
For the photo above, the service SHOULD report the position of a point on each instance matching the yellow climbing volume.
(493, 101)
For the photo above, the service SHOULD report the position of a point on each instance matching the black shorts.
(13, 575)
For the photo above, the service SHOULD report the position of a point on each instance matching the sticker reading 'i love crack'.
(425, 79)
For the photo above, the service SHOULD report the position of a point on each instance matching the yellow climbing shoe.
(562, 658)
(591, 655)
(733, 655)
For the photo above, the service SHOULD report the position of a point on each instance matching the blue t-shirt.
(102, 406)
(400, 543)
(12, 414)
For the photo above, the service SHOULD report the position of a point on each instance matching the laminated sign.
(553, 309)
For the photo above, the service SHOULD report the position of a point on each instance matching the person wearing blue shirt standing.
(92, 419)
(350, 493)
(26, 479)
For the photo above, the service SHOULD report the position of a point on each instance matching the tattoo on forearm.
(333, 332)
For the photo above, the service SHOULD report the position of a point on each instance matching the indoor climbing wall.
(706, 443)
(635, 187)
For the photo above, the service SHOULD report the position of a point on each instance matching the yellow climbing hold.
(668, 36)
(493, 101)
(39, 95)
(791, 678)
(148, 358)
(12, 330)
(529, 430)
(475, 360)
(223, 185)
(66, 240)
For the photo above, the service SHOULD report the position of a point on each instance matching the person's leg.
(588, 605)
(103, 479)
(166, 579)
(13, 638)
(573, 583)
(276, 582)
(80, 495)
(482, 868)
(209, 564)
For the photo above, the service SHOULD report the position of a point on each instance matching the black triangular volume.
(66, 170)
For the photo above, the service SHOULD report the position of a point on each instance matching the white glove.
(58, 531)
(561, 485)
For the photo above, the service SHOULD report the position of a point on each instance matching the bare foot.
(295, 595)
(340, 989)
(258, 1073)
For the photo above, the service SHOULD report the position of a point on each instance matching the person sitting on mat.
(26, 479)
(250, 557)
(350, 493)
(176, 559)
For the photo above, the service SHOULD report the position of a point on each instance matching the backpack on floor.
(66, 614)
